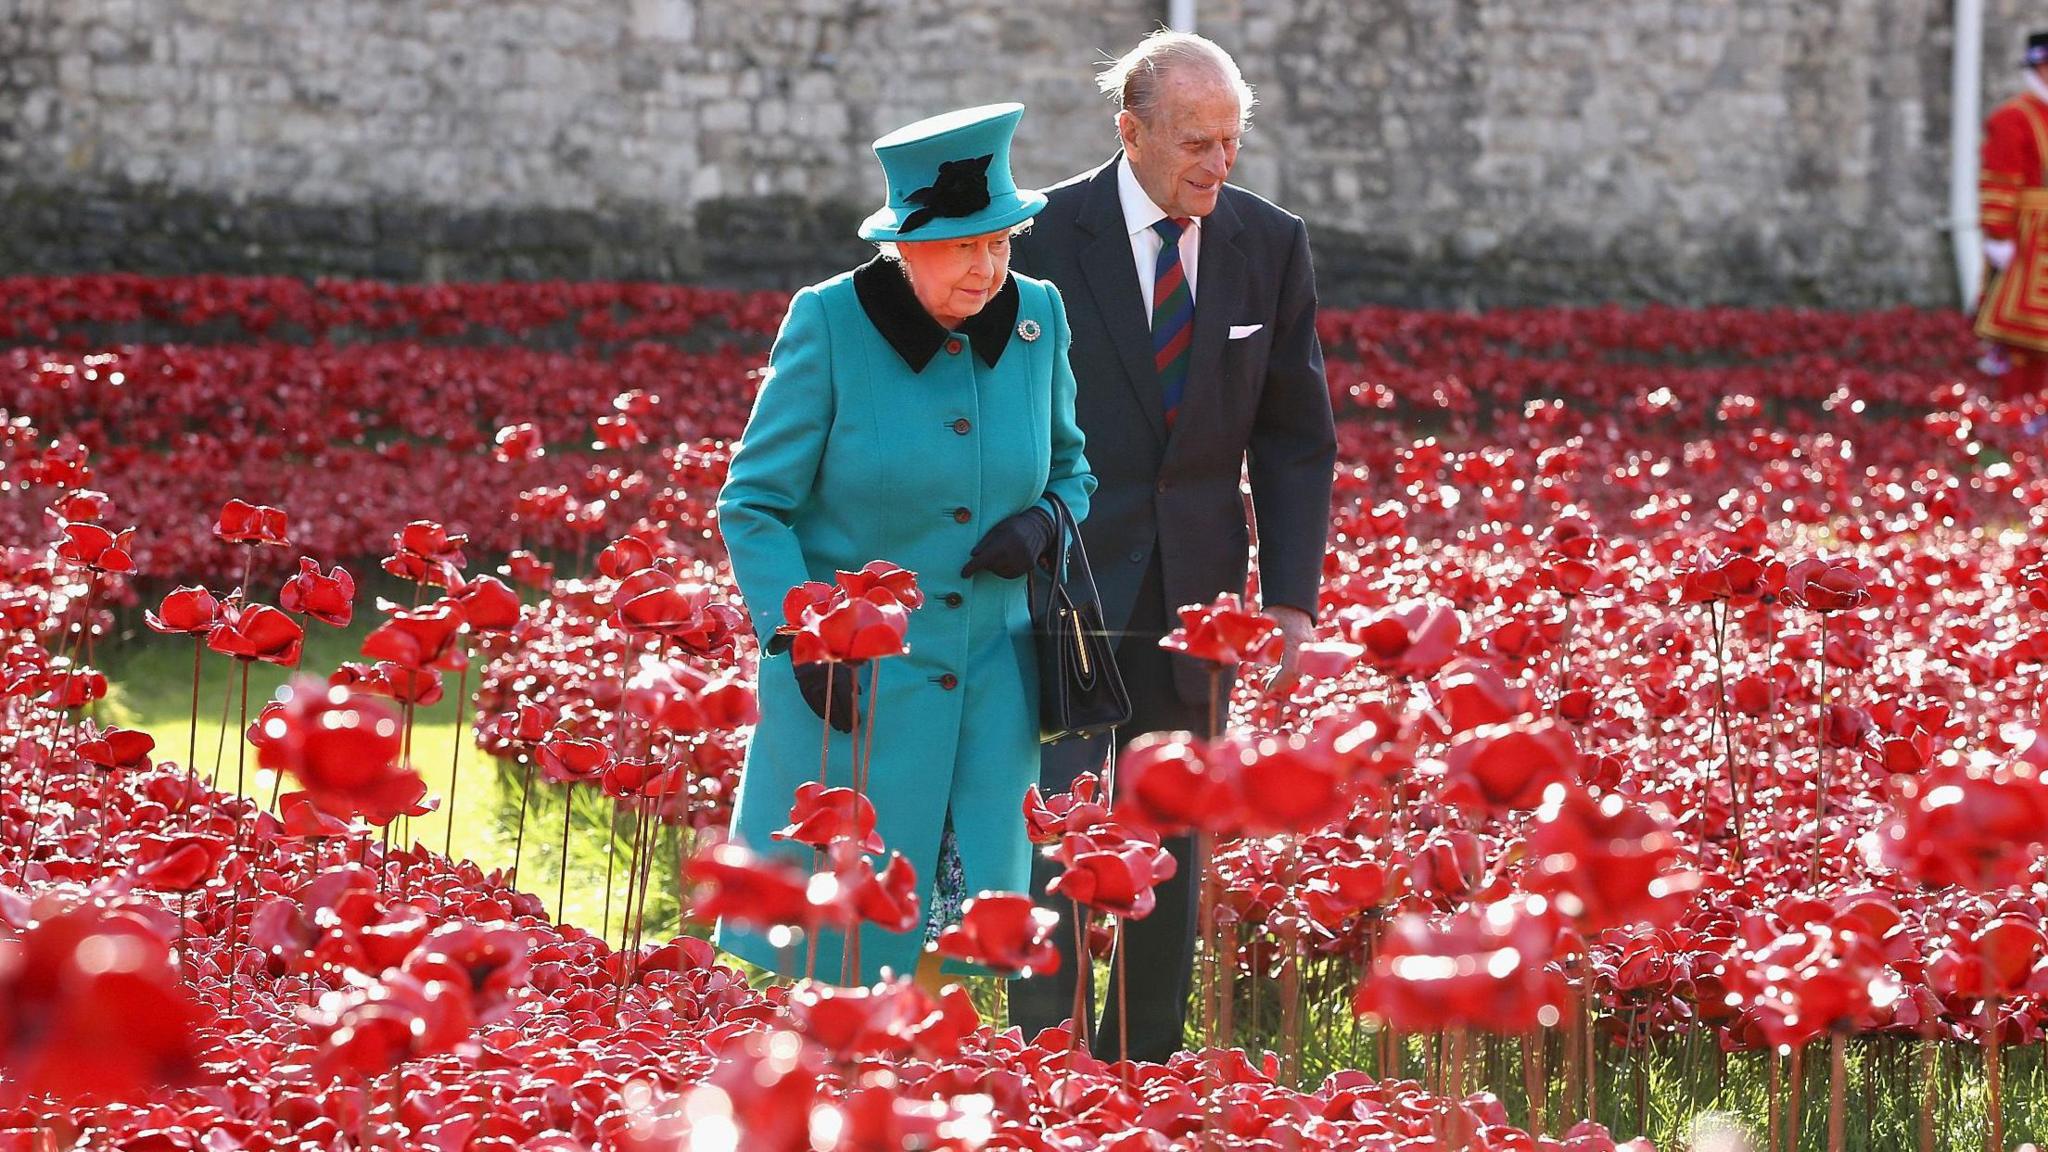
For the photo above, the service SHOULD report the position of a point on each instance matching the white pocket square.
(1240, 331)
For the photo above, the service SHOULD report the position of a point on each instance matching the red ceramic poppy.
(342, 748)
(1824, 585)
(1075, 810)
(97, 548)
(68, 686)
(1286, 784)
(1499, 768)
(178, 863)
(1801, 984)
(488, 960)
(1410, 639)
(1171, 785)
(1005, 933)
(92, 1009)
(887, 898)
(653, 601)
(1225, 631)
(518, 443)
(187, 609)
(241, 522)
(881, 581)
(117, 749)
(811, 595)
(420, 638)
(1486, 968)
(850, 632)
(427, 553)
(489, 605)
(567, 761)
(1999, 958)
(735, 885)
(1115, 878)
(822, 817)
(327, 597)
(256, 632)
(303, 818)
(1606, 862)
(374, 1027)
(1967, 825)
(528, 570)
(625, 556)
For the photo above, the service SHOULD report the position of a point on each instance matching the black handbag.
(1080, 691)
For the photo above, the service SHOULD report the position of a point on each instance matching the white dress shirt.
(1140, 213)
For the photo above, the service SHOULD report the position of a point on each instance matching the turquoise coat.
(878, 435)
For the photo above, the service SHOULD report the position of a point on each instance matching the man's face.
(1183, 154)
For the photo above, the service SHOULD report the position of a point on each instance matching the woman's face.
(954, 279)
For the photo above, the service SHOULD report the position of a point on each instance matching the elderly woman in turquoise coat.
(918, 410)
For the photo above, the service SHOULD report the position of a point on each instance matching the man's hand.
(1296, 629)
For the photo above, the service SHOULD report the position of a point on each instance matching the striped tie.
(1173, 314)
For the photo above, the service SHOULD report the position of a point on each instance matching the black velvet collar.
(886, 296)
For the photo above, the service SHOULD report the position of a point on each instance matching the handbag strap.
(1069, 536)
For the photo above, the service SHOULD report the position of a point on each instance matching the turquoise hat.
(949, 176)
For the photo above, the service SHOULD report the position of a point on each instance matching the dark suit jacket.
(1261, 397)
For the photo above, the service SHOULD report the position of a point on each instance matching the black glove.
(1013, 546)
(811, 681)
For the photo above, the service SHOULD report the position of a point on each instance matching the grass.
(150, 688)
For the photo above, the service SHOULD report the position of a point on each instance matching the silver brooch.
(1028, 330)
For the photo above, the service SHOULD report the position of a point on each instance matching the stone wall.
(1445, 152)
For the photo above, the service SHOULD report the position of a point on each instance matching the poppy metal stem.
(412, 696)
(462, 716)
(1994, 1128)
(242, 746)
(1123, 1022)
(651, 815)
(568, 819)
(1084, 974)
(525, 799)
(1771, 1107)
(192, 736)
(1838, 1086)
(867, 757)
(604, 929)
(1930, 1079)
(1820, 765)
(632, 871)
(1795, 1081)
(1735, 802)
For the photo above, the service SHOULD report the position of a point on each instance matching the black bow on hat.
(961, 189)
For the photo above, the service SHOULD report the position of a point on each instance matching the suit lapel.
(1112, 278)
(1219, 299)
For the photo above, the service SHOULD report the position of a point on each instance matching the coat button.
(962, 515)
(953, 599)
(949, 681)
(962, 426)
(1164, 485)
(952, 347)
(1137, 557)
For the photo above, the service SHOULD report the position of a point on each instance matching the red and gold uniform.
(2012, 191)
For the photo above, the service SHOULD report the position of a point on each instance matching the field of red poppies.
(1667, 765)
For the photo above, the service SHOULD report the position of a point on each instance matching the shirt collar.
(886, 296)
(2035, 84)
(1140, 213)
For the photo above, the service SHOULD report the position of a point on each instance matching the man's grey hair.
(1134, 79)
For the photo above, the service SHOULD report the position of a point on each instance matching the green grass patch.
(150, 688)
